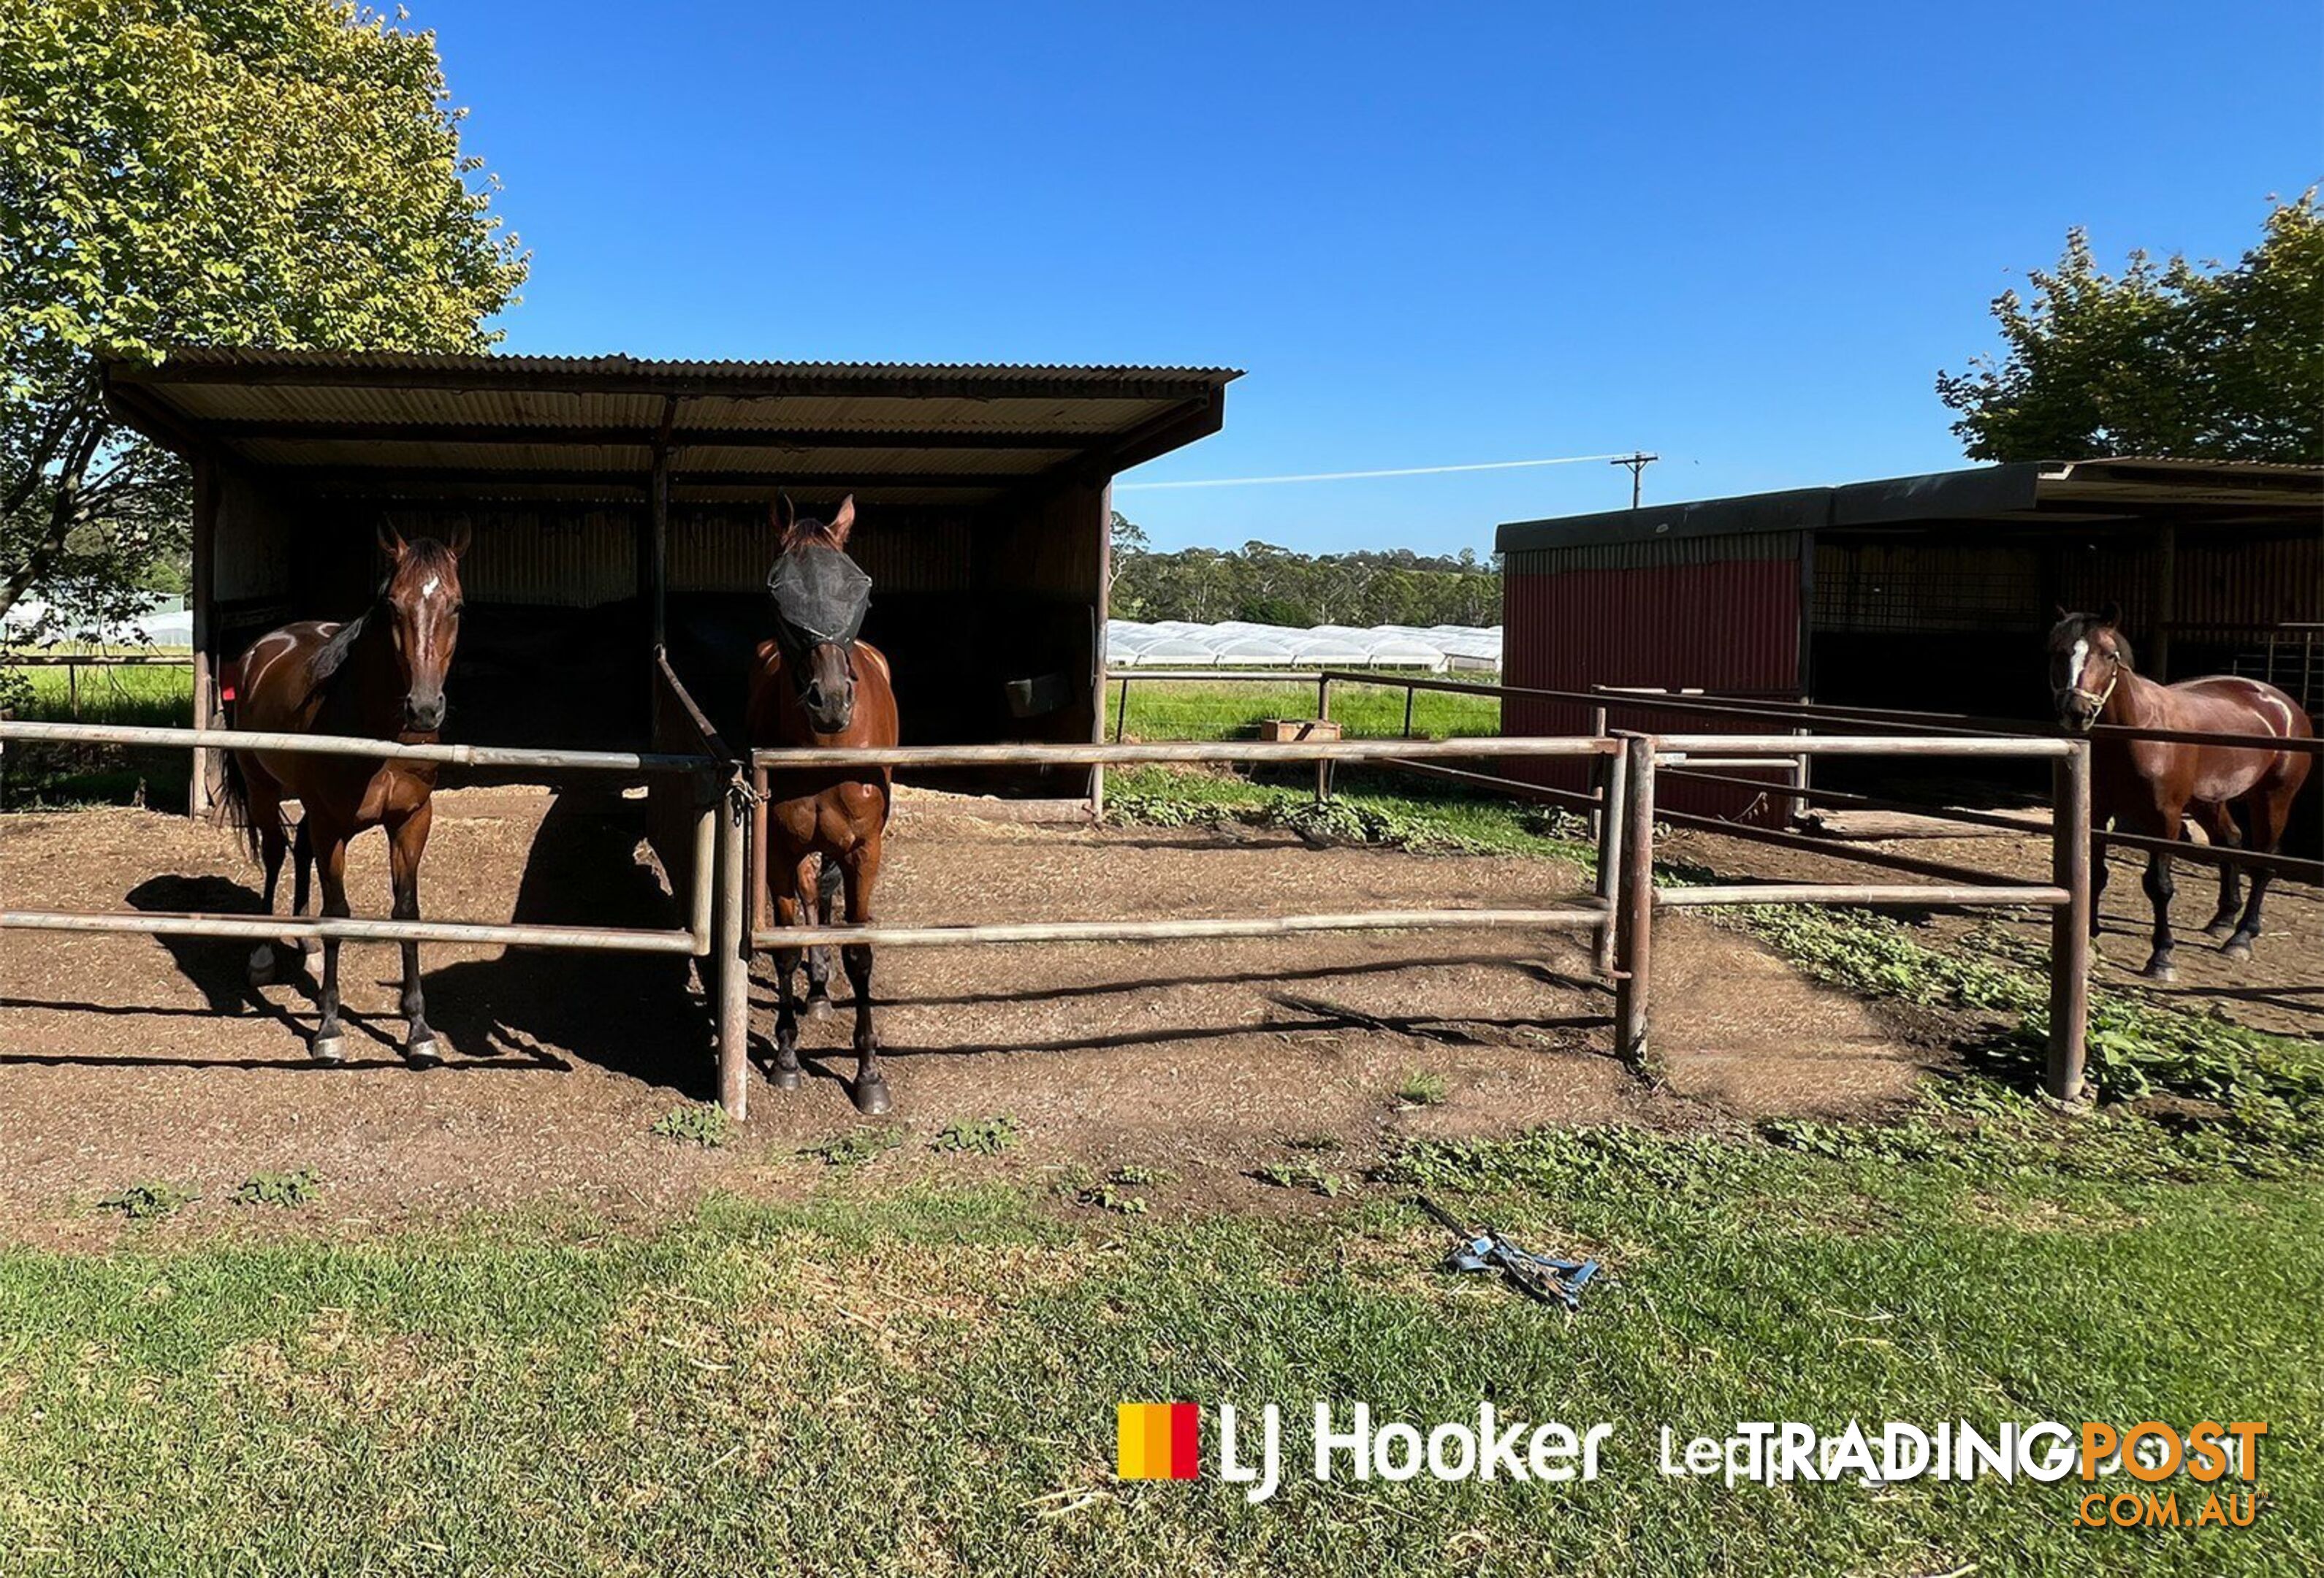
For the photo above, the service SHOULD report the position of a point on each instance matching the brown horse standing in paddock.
(378, 676)
(819, 832)
(2149, 786)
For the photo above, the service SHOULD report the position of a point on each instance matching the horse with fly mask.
(819, 830)
(2150, 786)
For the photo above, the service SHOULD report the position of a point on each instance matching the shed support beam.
(202, 589)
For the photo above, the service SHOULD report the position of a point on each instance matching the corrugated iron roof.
(2030, 493)
(404, 424)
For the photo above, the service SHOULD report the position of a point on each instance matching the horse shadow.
(218, 967)
(634, 1014)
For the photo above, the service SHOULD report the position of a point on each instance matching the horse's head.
(2089, 656)
(420, 605)
(820, 599)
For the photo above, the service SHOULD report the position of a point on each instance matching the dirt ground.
(126, 1059)
(2279, 988)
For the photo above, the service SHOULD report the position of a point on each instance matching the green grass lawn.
(919, 1379)
(1162, 709)
(46, 776)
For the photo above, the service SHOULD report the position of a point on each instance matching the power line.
(1353, 475)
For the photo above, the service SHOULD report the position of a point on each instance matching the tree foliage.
(1274, 586)
(271, 172)
(2164, 359)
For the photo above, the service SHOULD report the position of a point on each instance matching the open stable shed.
(619, 506)
(1929, 592)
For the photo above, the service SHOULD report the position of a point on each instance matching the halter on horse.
(2151, 786)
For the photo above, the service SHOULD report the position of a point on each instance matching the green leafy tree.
(2166, 359)
(1274, 586)
(271, 172)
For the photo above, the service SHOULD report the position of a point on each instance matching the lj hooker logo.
(1156, 1441)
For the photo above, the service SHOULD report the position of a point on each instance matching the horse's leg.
(407, 841)
(788, 911)
(2268, 811)
(329, 1046)
(273, 846)
(2098, 868)
(2159, 891)
(825, 899)
(858, 872)
(302, 866)
(2218, 822)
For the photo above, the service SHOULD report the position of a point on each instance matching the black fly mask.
(820, 596)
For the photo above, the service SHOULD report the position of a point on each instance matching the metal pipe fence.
(693, 941)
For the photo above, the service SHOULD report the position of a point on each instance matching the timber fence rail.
(693, 940)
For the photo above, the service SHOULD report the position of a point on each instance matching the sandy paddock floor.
(128, 1059)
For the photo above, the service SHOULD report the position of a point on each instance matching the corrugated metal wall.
(732, 550)
(1720, 614)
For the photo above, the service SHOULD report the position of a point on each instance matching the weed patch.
(978, 1136)
(287, 1191)
(148, 1201)
(705, 1125)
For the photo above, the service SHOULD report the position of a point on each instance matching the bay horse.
(378, 676)
(819, 830)
(2150, 786)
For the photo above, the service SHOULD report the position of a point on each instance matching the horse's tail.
(232, 806)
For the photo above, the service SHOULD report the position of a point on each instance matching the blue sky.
(1745, 237)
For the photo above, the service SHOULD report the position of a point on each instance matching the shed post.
(1635, 933)
(202, 591)
(1103, 611)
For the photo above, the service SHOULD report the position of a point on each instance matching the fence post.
(1613, 777)
(1323, 715)
(1600, 770)
(1120, 713)
(2070, 923)
(1635, 925)
(1409, 692)
(734, 952)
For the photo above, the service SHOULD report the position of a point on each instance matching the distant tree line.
(1268, 584)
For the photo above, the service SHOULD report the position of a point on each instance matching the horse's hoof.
(425, 1053)
(871, 1096)
(261, 965)
(332, 1048)
(818, 1008)
(2221, 930)
(786, 1079)
(2238, 947)
(2163, 973)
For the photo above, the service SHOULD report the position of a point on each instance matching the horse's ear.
(2110, 614)
(842, 521)
(391, 543)
(2065, 612)
(785, 514)
(463, 535)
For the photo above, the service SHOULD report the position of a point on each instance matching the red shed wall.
(1716, 613)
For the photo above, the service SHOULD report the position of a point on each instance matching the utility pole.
(1637, 461)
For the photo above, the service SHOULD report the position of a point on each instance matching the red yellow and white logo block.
(1156, 1441)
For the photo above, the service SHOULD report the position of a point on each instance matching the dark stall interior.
(598, 491)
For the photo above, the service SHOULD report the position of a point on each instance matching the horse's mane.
(332, 655)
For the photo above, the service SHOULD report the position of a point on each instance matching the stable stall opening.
(619, 508)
